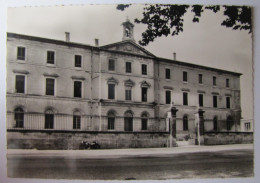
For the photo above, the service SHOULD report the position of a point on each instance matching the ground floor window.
(185, 123)
(215, 123)
(128, 119)
(19, 117)
(144, 119)
(49, 119)
(229, 122)
(76, 120)
(111, 121)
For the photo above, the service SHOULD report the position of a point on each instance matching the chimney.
(67, 36)
(174, 56)
(96, 42)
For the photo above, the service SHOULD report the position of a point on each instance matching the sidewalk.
(105, 153)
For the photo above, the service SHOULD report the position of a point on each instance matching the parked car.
(85, 145)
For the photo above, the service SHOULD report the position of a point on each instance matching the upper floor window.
(167, 74)
(215, 101)
(20, 84)
(168, 97)
(20, 53)
(50, 85)
(227, 83)
(214, 80)
(50, 57)
(200, 79)
(128, 67)
(185, 98)
(78, 60)
(111, 91)
(144, 94)
(19, 117)
(77, 89)
(201, 100)
(228, 102)
(128, 94)
(185, 76)
(76, 120)
(111, 65)
(144, 69)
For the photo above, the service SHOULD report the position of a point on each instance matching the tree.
(165, 19)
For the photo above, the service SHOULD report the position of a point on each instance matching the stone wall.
(71, 140)
(221, 138)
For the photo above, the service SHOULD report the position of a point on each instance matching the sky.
(206, 43)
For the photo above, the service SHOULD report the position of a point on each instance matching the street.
(217, 164)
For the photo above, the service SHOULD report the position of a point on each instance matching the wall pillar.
(173, 127)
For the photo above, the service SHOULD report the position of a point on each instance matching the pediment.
(128, 46)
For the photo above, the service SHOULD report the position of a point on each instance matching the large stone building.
(60, 92)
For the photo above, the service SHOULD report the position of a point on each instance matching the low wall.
(70, 140)
(221, 138)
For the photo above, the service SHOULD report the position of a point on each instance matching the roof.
(105, 47)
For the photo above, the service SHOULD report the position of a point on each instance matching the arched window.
(76, 120)
(185, 123)
(128, 121)
(111, 120)
(229, 122)
(49, 119)
(144, 119)
(215, 123)
(19, 117)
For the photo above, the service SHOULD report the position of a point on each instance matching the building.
(60, 92)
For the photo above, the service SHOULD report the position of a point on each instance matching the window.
(185, 98)
(247, 126)
(20, 53)
(76, 120)
(78, 59)
(111, 65)
(229, 122)
(200, 79)
(215, 123)
(144, 69)
(49, 119)
(214, 81)
(227, 83)
(111, 121)
(128, 94)
(128, 119)
(50, 57)
(185, 123)
(228, 102)
(50, 83)
(77, 89)
(144, 119)
(128, 68)
(215, 101)
(20, 84)
(111, 91)
(144, 94)
(19, 117)
(185, 76)
(168, 97)
(167, 73)
(201, 100)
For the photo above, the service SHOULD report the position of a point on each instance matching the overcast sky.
(205, 43)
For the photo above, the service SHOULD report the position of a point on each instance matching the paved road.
(220, 164)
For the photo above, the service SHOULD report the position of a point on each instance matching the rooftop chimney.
(67, 36)
(174, 56)
(96, 42)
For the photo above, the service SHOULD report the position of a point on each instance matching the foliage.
(165, 19)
